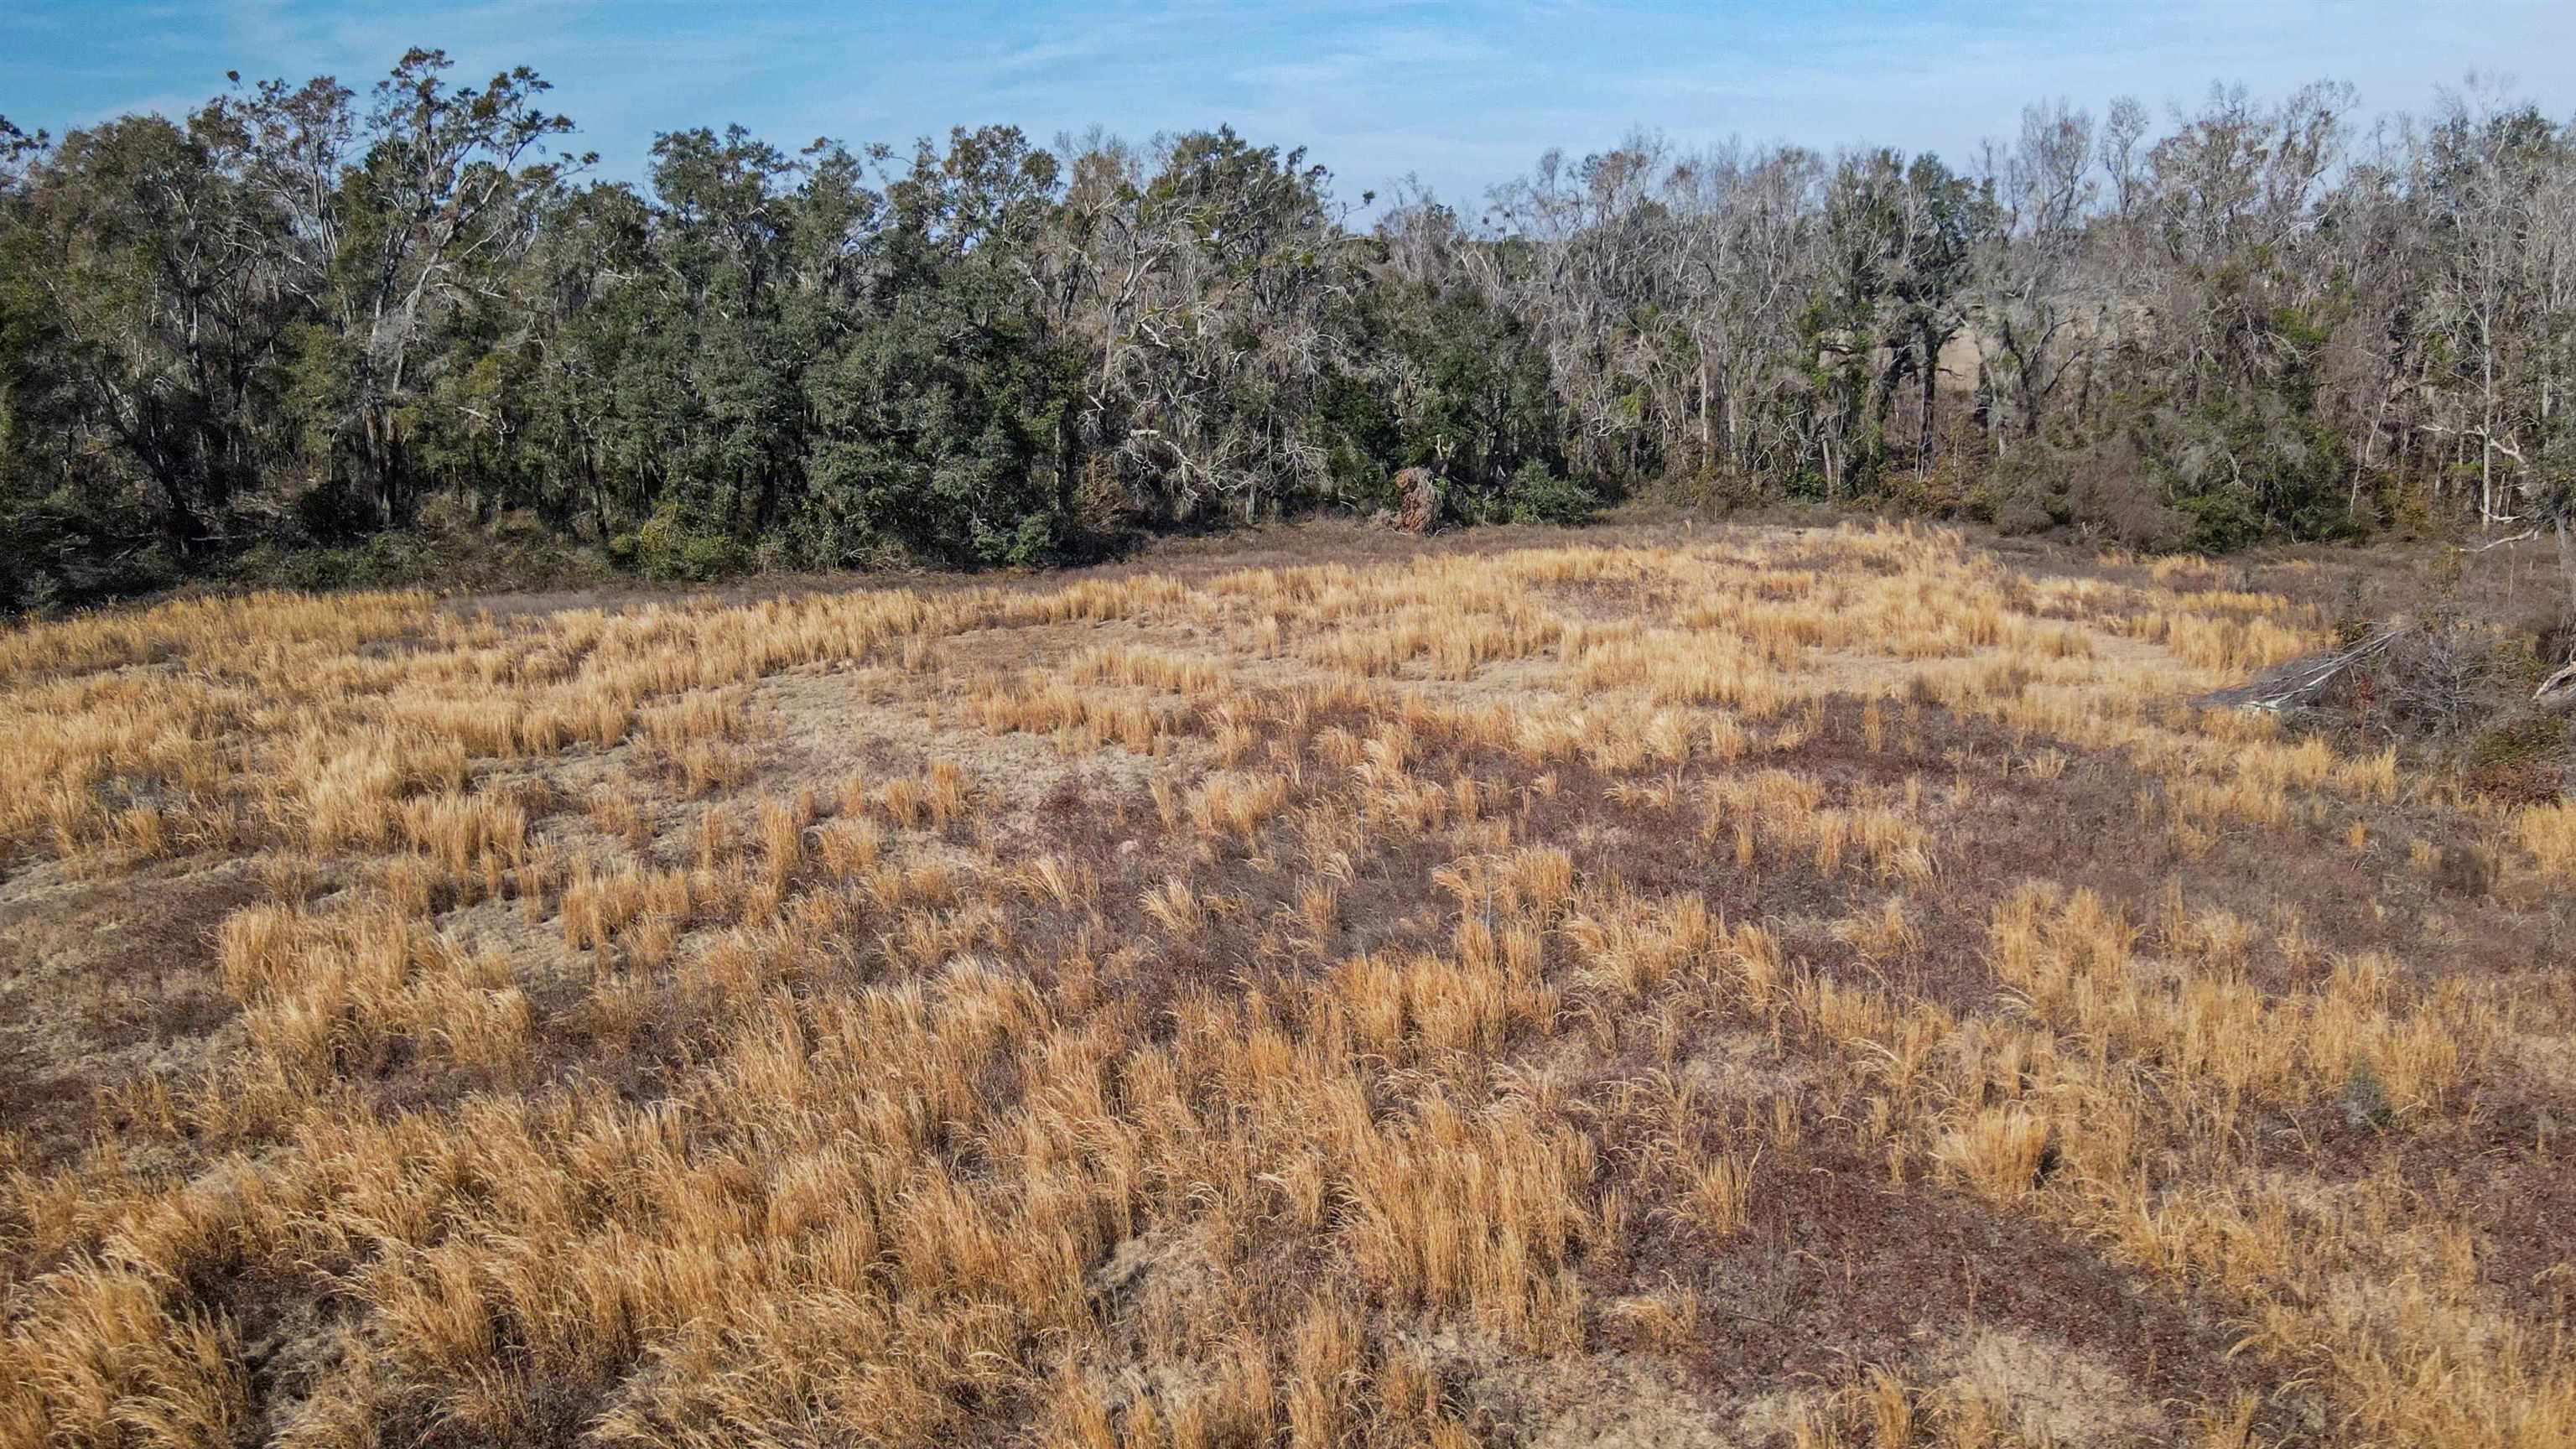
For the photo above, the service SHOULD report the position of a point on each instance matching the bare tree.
(2034, 310)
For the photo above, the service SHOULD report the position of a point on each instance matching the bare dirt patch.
(105, 982)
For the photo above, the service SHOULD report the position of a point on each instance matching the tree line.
(296, 323)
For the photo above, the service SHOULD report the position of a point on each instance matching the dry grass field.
(1631, 987)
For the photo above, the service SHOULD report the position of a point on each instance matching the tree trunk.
(180, 527)
(2558, 691)
(2567, 563)
(1707, 424)
(1931, 385)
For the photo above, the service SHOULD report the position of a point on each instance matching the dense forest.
(299, 331)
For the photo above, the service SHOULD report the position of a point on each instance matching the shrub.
(380, 560)
(2019, 494)
(668, 549)
(2219, 521)
(2364, 1100)
(2521, 761)
(1025, 544)
(1536, 495)
(446, 548)
(2102, 486)
(2242, 465)
(2436, 680)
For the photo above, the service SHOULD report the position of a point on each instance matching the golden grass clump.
(1999, 1150)
(2549, 833)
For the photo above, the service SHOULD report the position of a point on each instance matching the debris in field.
(2558, 691)
(2298, 683)
(1420, 491)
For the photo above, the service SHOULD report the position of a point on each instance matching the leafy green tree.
(143, 289)
(1900, 240)
(437, 207)
(945, 424)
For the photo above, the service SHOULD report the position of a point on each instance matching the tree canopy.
(302, 319)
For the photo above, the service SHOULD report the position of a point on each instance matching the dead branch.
(2301, 680)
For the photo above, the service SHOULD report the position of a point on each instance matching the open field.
(1631, 987)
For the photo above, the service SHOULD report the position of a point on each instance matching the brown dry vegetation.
(1753, 987)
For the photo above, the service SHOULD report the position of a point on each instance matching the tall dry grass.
(1349, 1005)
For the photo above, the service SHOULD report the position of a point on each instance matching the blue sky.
(1462, 94)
